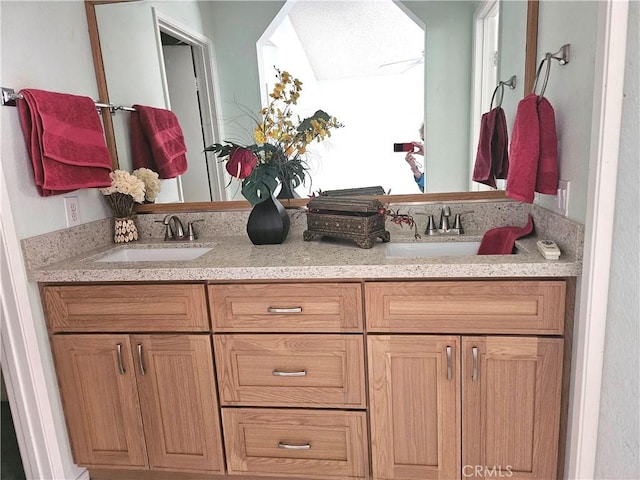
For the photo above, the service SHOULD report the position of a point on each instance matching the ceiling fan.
(410, 63)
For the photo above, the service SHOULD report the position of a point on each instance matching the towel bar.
(9, 98)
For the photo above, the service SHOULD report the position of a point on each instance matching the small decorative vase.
(124, 230)
(268, 223)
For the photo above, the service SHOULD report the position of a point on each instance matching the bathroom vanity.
(332, 363)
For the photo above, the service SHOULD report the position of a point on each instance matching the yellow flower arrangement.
(281, 139)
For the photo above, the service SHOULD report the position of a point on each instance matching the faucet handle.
(431, 226)
(168, 234)
(457, 224)
(457, 221)
(191, 234)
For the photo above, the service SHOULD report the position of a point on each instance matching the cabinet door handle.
(449, 371)
(120, 365)
(284, 310)
(278, 373)
(140, 363)
(474, 372)
(288, 446)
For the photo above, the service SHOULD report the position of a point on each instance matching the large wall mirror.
(140, 45)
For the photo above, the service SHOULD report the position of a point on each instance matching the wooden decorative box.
(354, 218)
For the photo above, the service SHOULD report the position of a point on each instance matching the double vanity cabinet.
(408, 380)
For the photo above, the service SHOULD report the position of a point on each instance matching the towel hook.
(561, 55)
(9, 97)
(511, 83)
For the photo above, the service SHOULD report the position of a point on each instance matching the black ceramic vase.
(268, 223)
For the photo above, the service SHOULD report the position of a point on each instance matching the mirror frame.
(531, 52)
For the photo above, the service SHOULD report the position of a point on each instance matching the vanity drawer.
(291, 370)
(126, 308)
(321, 444)
(302, 307)
(510, 306)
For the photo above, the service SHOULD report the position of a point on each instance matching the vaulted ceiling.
(346, 39)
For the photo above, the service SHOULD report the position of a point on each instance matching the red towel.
(534, 150)
(65, 141)
(492, 158)
(482, 169)
(547, 178)
(524, 151)
(500, 147)
(157, 141)
(501, 240)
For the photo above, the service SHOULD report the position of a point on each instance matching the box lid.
(345, 204)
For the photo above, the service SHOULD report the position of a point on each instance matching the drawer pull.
(141, 365)
(288, 446)
(449, 372)
(474, 372)
(120, 365)
(284, 310)
(301, 373)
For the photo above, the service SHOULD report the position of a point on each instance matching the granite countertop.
(70, 255)
(236, 258)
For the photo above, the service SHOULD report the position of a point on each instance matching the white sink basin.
(432, 249)
(160, 254)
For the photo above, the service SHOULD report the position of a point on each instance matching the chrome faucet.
(174, 230)
(444, 226)
(445, 213)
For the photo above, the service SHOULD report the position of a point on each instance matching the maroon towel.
(524, 151)
(500, 147)
(157, 142)
(65, 141)
(492, 158)
(534, 150)
(482, 171)
(501, 240)
(547, 177)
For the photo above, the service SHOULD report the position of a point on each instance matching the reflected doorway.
(485, 75)
(183, 56)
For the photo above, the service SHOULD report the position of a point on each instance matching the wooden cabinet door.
(102, 411)
(414, 395)
(178, 400)
(511, 406)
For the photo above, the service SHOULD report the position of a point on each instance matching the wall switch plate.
(72, 211)
(563, 197)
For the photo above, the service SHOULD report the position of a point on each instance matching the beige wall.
(618, 454)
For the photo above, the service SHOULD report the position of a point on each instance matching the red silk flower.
(241, 163)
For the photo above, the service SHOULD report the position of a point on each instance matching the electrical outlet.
(563, 197)
(72, 211)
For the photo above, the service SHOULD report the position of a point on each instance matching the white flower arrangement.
(125, 190)
(124, 182)
(151, 183)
